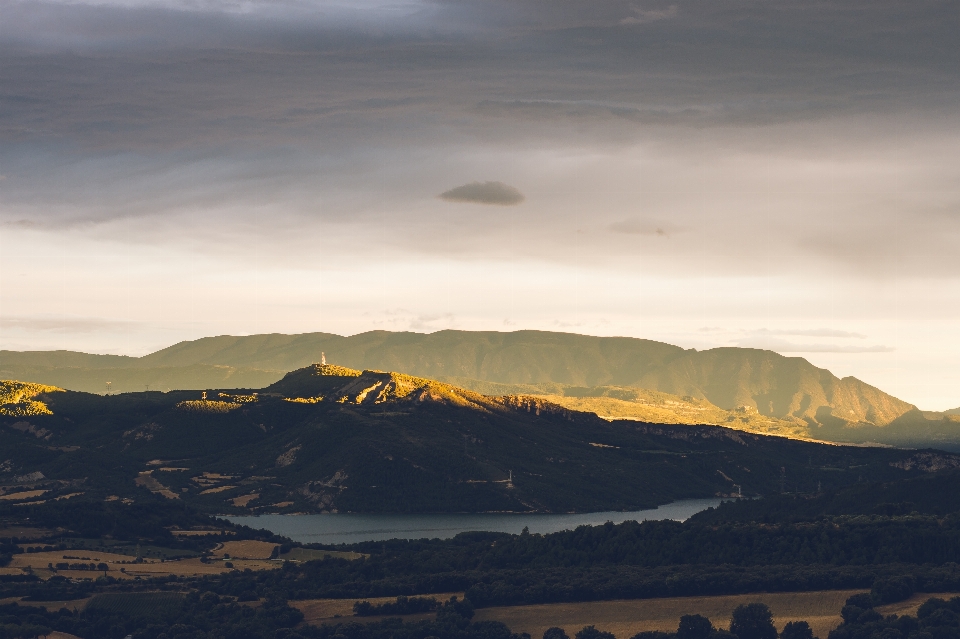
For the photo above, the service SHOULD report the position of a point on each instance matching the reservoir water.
(348, 528)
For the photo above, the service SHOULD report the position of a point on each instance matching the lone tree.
(694, 627)
(589, 632)
(753, 621)
(555, 633)
(797, 630)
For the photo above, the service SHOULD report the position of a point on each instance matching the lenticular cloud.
(484, 193)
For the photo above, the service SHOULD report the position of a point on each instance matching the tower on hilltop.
(323, 359)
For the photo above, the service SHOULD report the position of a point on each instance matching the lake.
(348, 528)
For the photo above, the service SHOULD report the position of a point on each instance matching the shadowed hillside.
(327, 438)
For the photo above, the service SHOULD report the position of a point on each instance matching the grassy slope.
(619, 402)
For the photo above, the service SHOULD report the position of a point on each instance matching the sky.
(707, 173)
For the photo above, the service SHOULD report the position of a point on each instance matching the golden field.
(320, 611)
(39, 563)
(625, 618)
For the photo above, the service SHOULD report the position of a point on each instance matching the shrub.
(797, 630)
(590, 632)
(753, 621)
(893, 589)
(694, 627)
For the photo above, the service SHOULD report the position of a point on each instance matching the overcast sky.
(708, 173)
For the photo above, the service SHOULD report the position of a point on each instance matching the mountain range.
(327, 438)
(751, 389)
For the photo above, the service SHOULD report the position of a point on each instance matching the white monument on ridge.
(323, 359)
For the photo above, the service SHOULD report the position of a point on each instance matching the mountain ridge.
(788, 389)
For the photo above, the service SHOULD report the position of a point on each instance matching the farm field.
(200, 533)
(247, 549)
(625, 618)
(320, 611)
(309, 554)
(71, 604)
(39, 562)
(25, 532)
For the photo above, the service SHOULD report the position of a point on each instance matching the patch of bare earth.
(148, 481)
(243, 500)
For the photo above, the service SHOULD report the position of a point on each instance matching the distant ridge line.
(773, 385)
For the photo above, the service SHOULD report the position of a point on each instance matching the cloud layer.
(250, 165)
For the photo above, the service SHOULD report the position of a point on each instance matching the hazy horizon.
(727, 173)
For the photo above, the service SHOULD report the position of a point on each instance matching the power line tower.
(783, 478)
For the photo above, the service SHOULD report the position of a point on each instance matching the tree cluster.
(936, 619)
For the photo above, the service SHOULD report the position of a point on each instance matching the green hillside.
(789, 393)
(518, 357)
(326, 438)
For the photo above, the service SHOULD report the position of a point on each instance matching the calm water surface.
(352, 528)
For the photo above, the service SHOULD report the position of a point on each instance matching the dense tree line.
(836, 541)
(931, 494)
(402, 606)
(199, 616)
(339, 578)
(936, 619)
